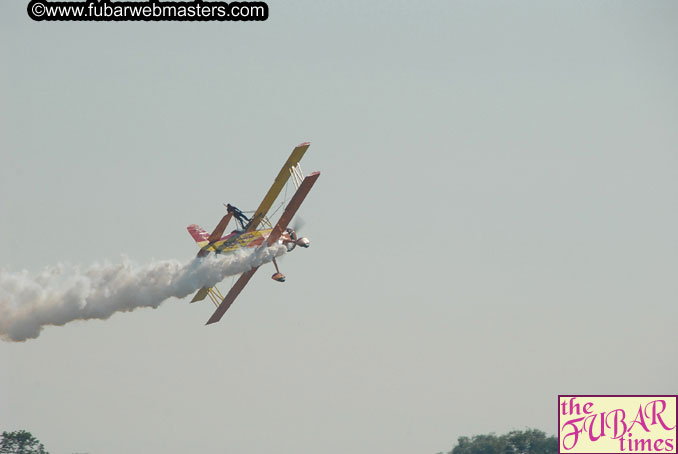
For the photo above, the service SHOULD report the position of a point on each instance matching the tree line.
(529, 441)
(20, 442)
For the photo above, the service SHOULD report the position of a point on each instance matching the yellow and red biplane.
(248, 236)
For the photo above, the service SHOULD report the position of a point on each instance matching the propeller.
(298, 224)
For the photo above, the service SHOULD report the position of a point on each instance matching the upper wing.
(231, 296)
(215, 236)
(277, 186)
(219, 229)
(292, 207)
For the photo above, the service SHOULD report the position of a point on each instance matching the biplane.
(255, 231)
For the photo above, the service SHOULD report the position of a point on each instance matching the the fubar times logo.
(617, 424)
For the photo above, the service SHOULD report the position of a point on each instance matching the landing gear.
(290, 240)
(277, 276)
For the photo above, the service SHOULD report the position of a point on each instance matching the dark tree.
(530, 441)
(20, 442)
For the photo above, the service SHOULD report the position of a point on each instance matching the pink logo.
(617, 424)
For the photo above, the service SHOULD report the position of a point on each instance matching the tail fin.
(199, 234)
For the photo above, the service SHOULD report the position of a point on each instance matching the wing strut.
(277, 186)
(292, 207)
(232, 295)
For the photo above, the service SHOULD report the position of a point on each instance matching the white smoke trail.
(61, 294)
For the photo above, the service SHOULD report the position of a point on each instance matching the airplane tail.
(202, 238)
(199, 234)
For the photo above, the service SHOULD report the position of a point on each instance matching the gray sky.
(495, 223)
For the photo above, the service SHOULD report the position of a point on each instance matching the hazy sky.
(495, 223)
